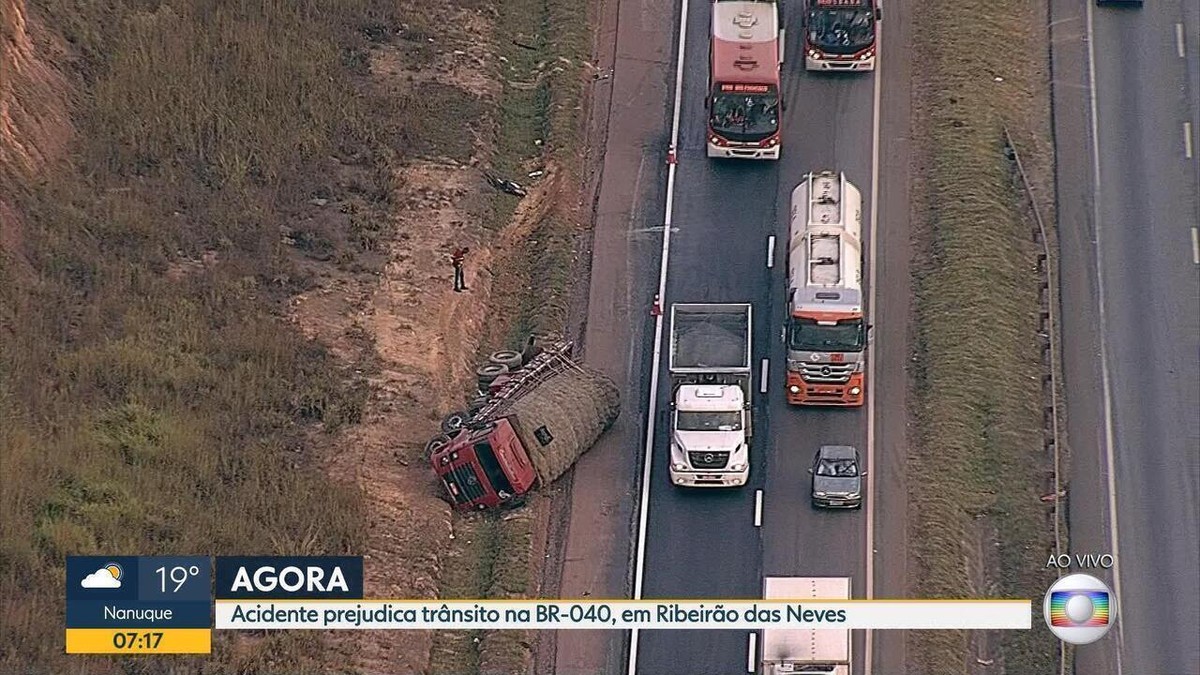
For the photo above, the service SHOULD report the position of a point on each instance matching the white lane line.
(1179, 41)
(758, 503)
(1195, 246)
(762, 379)
(1106, 378)
(873, 262)
(770, 251)
(751, 653)
(651, 412)
(1187, 140)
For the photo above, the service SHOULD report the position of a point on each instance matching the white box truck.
(787, 651)
(710, 394)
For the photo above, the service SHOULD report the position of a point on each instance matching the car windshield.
(708, 421)
(841, 31)
(837, 468)
(745, 117)
(808, 335)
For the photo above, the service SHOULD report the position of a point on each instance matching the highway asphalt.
(1131, 318)
(703, 543)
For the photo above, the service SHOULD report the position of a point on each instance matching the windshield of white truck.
(708, 421)
(745, 113)
(841, 30)
(809, 335)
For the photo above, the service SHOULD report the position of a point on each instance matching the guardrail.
(1048, 298)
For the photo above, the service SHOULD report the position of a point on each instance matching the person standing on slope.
(456, 259)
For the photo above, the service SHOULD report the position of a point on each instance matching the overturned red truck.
(533, 421)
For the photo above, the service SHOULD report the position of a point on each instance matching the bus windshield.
(745, 117)
(841, 31)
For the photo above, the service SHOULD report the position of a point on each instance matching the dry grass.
(151, 400)
(977, 447)
(232, 159)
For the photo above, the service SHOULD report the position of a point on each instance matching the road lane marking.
(1179, 40)
(758, 498)
(1187, 140)
(751, 653)
(762, 380)
(651, 412)
(1106, 378)
(1195, 246)
(770, 251)
(868, 648)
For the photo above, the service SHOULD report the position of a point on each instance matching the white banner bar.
(623, 614)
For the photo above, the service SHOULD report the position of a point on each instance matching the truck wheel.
(489, 372)
(436, 443)
(454, 421)
(477, 405)
(507, 358)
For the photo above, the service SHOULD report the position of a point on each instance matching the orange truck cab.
(825, 331)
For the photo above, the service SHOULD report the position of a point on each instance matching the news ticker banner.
(624, 615)
(171, 604)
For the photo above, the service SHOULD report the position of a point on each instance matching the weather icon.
(108, 576)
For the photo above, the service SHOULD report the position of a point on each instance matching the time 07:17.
(137, 640)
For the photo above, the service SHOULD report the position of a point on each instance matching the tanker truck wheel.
(454, 421)
(436, 443)
(507, 358)
(489, 372)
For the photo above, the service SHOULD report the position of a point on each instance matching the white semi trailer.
(788, 651)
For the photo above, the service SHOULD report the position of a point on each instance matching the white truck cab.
(709, 433)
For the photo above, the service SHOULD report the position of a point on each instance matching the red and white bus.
(840, 34)
(744, 102)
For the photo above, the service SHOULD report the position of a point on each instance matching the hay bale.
(563, 417)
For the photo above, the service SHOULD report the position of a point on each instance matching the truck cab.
(709, 427)
(485, 468)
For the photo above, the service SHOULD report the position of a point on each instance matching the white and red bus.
(744, 103)
(840, 34)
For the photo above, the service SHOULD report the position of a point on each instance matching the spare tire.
(454, 421)
(508, 358)
(435, 444)
(488, 372)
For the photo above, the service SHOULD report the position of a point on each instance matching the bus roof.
(745, 42)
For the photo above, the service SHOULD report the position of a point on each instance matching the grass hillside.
(225, 323)
(151, 399)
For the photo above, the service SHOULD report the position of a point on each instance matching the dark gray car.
(837, 477)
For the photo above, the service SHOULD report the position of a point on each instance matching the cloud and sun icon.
(108, 576)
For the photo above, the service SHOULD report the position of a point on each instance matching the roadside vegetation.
(159, 391)
(542, 48)
(979, 527)
(152, 401)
